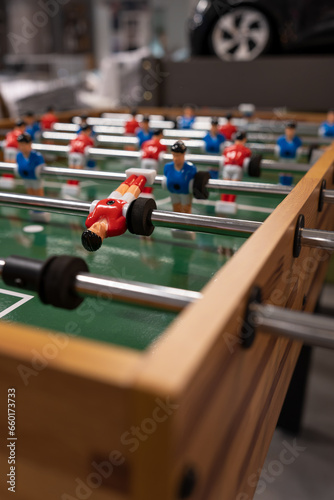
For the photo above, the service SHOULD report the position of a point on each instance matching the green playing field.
(162, 259)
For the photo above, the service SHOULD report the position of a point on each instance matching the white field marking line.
(24, 298)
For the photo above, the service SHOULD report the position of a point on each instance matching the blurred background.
(82, 52)
(111, 53)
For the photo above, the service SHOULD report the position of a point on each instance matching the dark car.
(241, 30)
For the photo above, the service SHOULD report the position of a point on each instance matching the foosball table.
(167, 381)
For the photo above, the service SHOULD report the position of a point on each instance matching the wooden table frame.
(191, 417)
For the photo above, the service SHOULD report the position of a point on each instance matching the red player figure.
(48, 119)
(10, 148)
(108, 216)
(228, 129)
(79, 151)
(152, 154)
(132, 125)
(235, 159)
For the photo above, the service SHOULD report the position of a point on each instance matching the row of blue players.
(187, 121)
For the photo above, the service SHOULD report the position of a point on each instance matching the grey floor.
(306, 473)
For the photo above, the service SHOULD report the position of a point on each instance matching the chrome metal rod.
(67, 207)
(204, 224)
(312, 329)
(316, 238)
(118, 122)
(59, 136)
(124, 140)
(264, 136)
(199, 159)
(158, 297)
(292, 167)
(51, 148)
(230, 186)
(204, 123)
(114, 153)
(250, 187)
(328, 195)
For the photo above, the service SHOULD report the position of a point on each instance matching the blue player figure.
(327, 128)
(288, 148)
(213, 143)
(29, 165)
(187, 120)
(144, 133)
(33, 127)
(178, 178)
(83, 125)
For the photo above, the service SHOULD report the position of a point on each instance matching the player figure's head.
(240, 137)
(29, 117)
(214, 125)
(145, 124)
(91, 241)
(133, 113)
(178, 151)
(158, 134)
(86, 129)
(188, 111)
(228, 117)
(20, 125)
(25, 143)
(330, 117)
(50, 109)
(83, 120)
(290, 130)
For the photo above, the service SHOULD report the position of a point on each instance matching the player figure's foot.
(37, 216)
(226, 207)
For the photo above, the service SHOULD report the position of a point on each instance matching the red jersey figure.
(78, 154)
(131, 126)
(108, 217)
(11, 144)
(228, 129)
(235, 159)
(48, 119)
(152, 154)
(10, 150)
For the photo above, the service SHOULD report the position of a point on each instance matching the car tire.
(242, 34)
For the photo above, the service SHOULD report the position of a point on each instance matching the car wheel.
(241, 35)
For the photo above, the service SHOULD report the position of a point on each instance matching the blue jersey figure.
(27, 165)
(33, 127)
(178, 177)
(212, 144)
(144, 136)
(144, 133)
(187, 120)
(83, 125)
(287, 145)
(327, 128)
(34, 131)
(178, 180)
